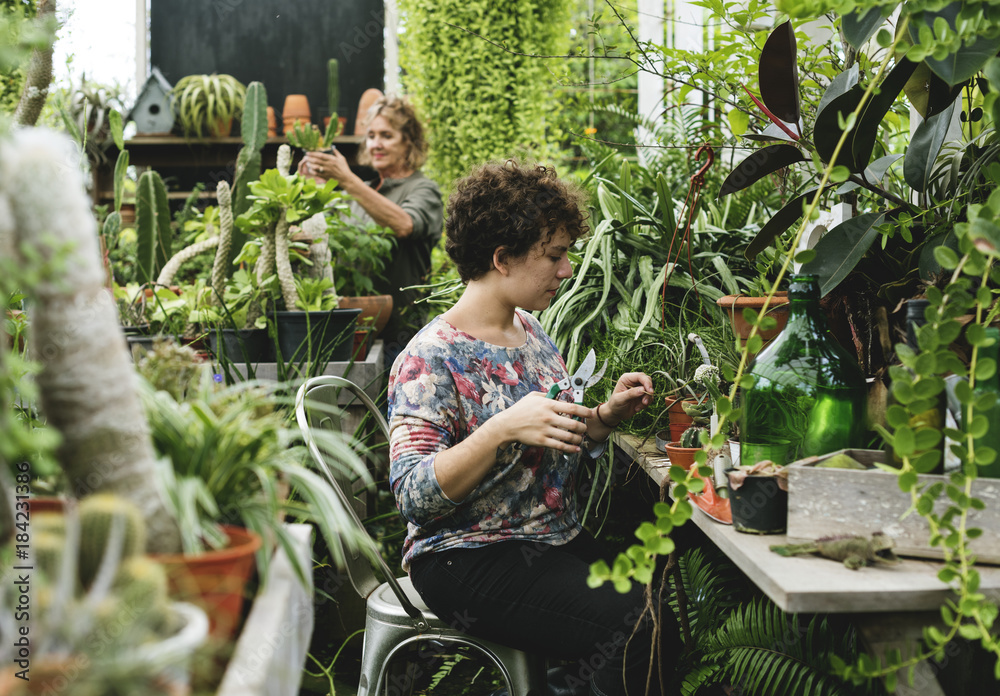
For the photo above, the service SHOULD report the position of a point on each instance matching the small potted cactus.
(100, 610)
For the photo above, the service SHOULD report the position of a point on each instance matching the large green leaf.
(928, 93)
(781, 221)
(827, 132)
(964, 63)
(860, 25)
(840, 249)
(758, 165)
(778, 74)
(857, 150)
(838, 86)
(924, 148)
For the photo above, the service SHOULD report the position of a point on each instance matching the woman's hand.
(632, 393)
(325, 166)
(537, 421)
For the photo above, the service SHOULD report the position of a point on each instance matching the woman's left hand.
(632, 393)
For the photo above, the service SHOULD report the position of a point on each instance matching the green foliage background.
(12, 80)
(480, 100)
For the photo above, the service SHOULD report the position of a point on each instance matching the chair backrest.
(316, 407)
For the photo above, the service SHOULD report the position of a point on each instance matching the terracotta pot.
(221, 128)
(296, 106)
(272, 122)
(679, 421)
(368, 99)
(360, 350)
(375, 309)
(681, 456)
(214, 580)
(735, 304)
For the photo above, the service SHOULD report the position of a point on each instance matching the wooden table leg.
(881, 633)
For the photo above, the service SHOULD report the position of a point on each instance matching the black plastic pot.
(316, 336)
(242, 345)
(759, 506)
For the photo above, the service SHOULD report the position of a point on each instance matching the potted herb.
(207, 104)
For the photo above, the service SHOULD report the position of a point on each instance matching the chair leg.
(380, 642)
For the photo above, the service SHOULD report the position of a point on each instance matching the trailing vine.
(471, 73)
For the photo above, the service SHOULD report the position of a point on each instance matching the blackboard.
(284, 44)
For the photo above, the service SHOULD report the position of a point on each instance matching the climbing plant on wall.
(471, 70)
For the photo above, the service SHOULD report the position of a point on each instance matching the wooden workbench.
(889, 604)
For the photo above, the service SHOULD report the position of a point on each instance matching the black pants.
(534, 597)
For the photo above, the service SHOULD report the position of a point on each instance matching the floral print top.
(444, 385)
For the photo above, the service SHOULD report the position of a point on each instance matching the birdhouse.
(152, 112)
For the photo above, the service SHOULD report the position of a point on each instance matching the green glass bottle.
(991, 438)
(809, 395)
(934, 415)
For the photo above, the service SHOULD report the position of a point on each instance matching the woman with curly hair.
(484, 468)
(401, 198)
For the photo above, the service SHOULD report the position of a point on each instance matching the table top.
(811, 584)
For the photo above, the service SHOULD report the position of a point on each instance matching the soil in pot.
(759, 504)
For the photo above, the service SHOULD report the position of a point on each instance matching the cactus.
(253, 130)
(97, 516)
(47, 546)
(333, 87)
(691, 437)
(220, 268)
(141, 583)
(152, 226)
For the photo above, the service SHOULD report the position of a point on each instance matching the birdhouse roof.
(156, 87)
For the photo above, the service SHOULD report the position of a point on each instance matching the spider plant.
(206, 103)
(226, 451)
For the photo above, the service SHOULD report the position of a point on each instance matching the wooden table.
(889, 604)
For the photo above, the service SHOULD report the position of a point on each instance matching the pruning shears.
(583, 377)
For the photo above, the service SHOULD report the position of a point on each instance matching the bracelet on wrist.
(597, 411)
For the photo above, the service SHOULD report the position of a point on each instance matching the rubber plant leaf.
(928, 93)
(873, 172)
(924, 148)
(781, 221)
(964, 63)
(840, 249)
(928, 266)
(860, 25)
(838, 86)
(862, 139)
(827, 130)
(758, 165)
(778, 74)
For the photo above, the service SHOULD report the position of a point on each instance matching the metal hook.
(707, 149)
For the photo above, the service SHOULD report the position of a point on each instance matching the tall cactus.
(152, 226)
(333, 86)
(253, 130)
(220, 267)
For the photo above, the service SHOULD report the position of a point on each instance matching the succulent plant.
(691, 437)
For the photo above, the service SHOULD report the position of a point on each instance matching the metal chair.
(396, 617)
